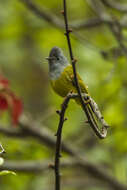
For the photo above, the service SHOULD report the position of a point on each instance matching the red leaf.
(4, 83)
(16, 109)
(8, 100)
(3, 103)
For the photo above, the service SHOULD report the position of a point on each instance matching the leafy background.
(25, 41)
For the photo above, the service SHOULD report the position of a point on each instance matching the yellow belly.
(65, 83)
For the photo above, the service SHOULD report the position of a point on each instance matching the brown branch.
(43, 13)
(96, 172)
(114, 25)
(115, 5)
(46, 15)
(31, 128)
(65, 104)
(58, 141)
(86, 24)
(17, 133)
(25, 166)
(59, 138)
(41, 166)
(2, 150)
(87, 110)
(35, 166)
(117, 32)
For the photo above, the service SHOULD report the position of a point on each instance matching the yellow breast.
(65, 83)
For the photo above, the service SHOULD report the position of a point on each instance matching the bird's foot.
(87, 101)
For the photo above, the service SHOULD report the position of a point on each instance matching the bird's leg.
(88, 100)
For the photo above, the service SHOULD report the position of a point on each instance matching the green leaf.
(1, 161)
(5, 172)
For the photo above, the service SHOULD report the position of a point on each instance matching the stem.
(87, 110)
(58, 141)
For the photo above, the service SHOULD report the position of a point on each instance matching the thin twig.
(2, 149)
(114, 25)
(117, 32)
(87, 110)
(36, 166)
(31, 129)
(59, 136)
(46, 15)
(58, 141)
(116, 5)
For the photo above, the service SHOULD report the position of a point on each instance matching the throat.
(56, 72)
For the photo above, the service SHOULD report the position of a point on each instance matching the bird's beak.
(48, 58)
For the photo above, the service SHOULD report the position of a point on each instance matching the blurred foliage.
(25, 41)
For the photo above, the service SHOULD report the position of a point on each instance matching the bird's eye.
(58, 58)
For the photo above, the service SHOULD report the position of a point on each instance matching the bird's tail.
(94, 116)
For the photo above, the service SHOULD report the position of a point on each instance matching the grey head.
(57, 62)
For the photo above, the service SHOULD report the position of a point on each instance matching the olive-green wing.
(70, 78)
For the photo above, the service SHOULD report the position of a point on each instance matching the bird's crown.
(57, 62)
(55, 52)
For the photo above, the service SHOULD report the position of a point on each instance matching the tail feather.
(94, 116)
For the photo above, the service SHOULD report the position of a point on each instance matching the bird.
(62, 81)
(61, 74)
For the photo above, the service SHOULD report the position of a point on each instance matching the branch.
(30, 128)
(46, 15)
(96, 172)
(33, 129)
(87, 110)
(17, 133)
(114, 25)
(58, 141)
(86, 24)
(35, 166)
(25, 166)
(59, 136)
(41, 166)
(115, 5)
(43, 13)
(2, 150)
